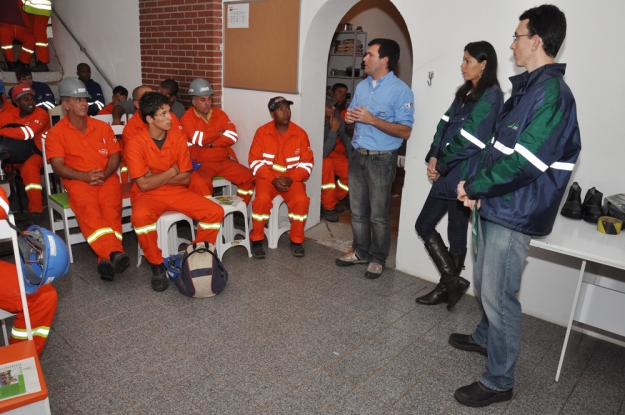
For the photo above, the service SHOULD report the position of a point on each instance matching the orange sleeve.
(184, 159)
(229, 136)
(306, 159)
(54, 143)
(111, 141)
(135, 158)
(108, 109)
(256, 160)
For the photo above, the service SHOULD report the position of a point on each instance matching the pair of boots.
(590, 210)
(451, 286)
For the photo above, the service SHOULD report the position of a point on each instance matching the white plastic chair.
(167, 234)
(227, 236)
(278, 223)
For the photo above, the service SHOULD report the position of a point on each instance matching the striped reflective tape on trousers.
(33, 186)
(245, 192)
(209, 226)
(101, 232)
(327, 186)
(301, 218)
(342, 185)
(260, 216)
(21, 334)
(143, 230)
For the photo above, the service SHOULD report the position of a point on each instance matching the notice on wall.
(238, 16)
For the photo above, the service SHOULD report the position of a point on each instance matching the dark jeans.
(457, 222)
(370, 181)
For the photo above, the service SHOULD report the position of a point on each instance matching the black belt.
(366, 152)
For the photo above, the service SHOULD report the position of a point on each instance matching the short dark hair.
(388, 48)
(150, 103)
(120, 90)
(22, 73)
(171, 86)
(135, 92)
(481, 51)
(548, 22)
(339, 85)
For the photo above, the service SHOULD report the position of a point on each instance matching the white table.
(594, 304)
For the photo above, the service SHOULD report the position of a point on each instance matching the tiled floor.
(294, 336)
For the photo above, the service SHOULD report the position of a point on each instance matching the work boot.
(257, 250)
(40, 67)
(340, 207)
(160, 282)
(438, 252)
(458, 285)
(35, 218)
(11, 66)
(106, 270)
(350, 258)
(592, 206)
(477, 395)
(330, 215)
(297, 250)
(120, 261)
(573, 206)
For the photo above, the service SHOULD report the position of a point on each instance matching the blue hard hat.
(44, 257)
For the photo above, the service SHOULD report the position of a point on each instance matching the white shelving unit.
(340, 62)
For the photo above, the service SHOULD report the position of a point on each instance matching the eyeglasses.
(516, 37)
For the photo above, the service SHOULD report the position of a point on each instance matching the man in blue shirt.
(383, 112)
(96, 103)
(44, 97)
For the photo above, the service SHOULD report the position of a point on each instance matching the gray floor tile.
(427, 352)
(319, 353)
(344, 340)
(351, 369)
(264, 388)
(326, 388)
(294, 369)
(375, 354)
(358, 402)
(385, 387)
(202, 388)
(395, 338)
(416, 401)
(407, 368)
(106, 402)
(168, 402)
(440, 384)
(297, 403)
(77, 387)
(540, 402)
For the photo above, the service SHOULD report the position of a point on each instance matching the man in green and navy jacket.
(518, 187)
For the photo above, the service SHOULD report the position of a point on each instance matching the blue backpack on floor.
(197, 271)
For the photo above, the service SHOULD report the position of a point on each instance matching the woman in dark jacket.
(462, 132)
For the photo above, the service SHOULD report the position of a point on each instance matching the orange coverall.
(143, 154)
(108, 109)
(212, 141)
(97, 208)
(272, 155)
(9, 32)
(41, 304)
(39, 27)
(34, 127)
(336, 164)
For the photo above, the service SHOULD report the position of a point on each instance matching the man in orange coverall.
(28, 122)
(212, 134)
(13, 26)
(85, 153)
(281, 160)
(159, 163)
(41, 304)
(119, 94)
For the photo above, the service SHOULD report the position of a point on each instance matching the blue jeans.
(497, 279)
(370, 181)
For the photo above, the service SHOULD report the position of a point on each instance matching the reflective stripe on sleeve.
(558, 165)
(530, 157)
(231, 135)
(472, 139)
(506, 150)
(445, 118)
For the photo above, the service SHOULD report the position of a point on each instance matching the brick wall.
(181, 39)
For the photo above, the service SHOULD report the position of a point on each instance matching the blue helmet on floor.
(44, 257)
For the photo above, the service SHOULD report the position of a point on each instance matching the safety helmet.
(200, 87)
(73, 87)
(44, 257)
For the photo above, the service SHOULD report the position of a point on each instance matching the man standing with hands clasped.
(383, 113)
(517, 190)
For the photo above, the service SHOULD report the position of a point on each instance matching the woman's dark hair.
(481, 51)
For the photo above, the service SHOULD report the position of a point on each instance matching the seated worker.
(27, 123)
(41, 304)
(159, 163)
(44, 97)
(212, 135)
(281, 160)
(119, 94)
(128, 107)
(337, 146)
(169, 88)
(85, 153)
(96, 103)
(13, 27)
(339, 93)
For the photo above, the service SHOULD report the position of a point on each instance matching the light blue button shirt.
(391, 100)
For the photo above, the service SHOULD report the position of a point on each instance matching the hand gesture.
(334, 123)
(94, 177)
(431, 169)
(282, 183)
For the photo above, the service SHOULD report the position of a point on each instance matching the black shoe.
(340, 207)
(437, 296)
(120, 261)
(40, 67)
(455, 290)
(477, 395)
(330, 215)
(297, 250)
(160, 282)
(465, 342)
(106, 270)
(35, 218)
(257, 250)
(592, 206)
(573, 206)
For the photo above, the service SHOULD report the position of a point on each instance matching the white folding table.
(596, 303)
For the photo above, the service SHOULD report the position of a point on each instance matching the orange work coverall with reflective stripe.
(97, 208)
(212, 141)
(142, 154)
(273, 155)
(34, 126)
(41, 304)
(336, 164)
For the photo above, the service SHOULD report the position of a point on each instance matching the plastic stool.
(4, 315)
(277, 224)
(167, 232)
(227, 231)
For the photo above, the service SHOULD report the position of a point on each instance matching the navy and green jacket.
(524, 171)
(461, 134)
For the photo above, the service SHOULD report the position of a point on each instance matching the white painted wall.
(109, 31)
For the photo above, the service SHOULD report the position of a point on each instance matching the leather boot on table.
(440, 255)
(573, 206)
(592, 206)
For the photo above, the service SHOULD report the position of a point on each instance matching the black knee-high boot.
(457, 286)
(440, 255)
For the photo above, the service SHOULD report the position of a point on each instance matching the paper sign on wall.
(239, 16)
